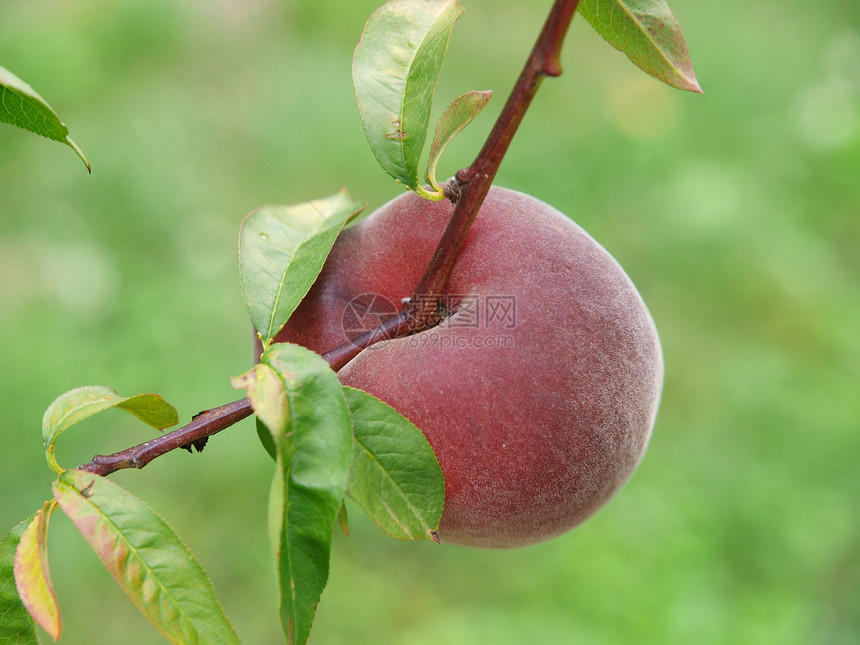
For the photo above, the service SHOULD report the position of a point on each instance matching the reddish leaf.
(32, 576)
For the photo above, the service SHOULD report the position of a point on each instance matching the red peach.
(538, 394)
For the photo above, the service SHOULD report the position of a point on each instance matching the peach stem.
(473, 183)
(471, 187)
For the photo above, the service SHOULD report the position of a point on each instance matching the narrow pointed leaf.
(266, 439)
(268, 397)
(32, 576)
(312, 470)
(456, 116)
(394, 475)
(648, 33)
(281, 251)
(16, 624)
(394, 71)
(20, 105)
(343, 519)
(83, 402)
(146, 558)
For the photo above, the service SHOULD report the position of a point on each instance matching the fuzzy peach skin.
(538, 394)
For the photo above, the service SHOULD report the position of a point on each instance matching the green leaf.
(268, 396)
(266, 439)
(394, 71)
(32, 576)
(281, 251)
(456, 116)
(83, 402)
(20, 105)
(16, 624)
(313, 458)
(146, 558)
(343, 519)
(394, 476)
(647, 32)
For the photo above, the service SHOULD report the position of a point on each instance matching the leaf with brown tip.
(648, 33)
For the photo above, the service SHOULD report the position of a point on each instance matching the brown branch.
(423, 311)
(210, 422)
(202, 426)
(474, 182)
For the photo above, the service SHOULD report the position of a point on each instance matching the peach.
(538, 393)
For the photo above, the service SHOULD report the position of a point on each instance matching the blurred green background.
(736, 213)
